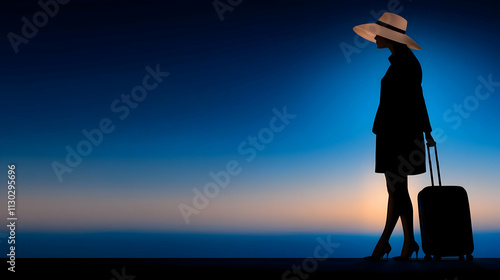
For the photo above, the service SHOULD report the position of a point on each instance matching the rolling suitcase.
(445, 221)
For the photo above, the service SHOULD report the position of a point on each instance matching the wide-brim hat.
(390, 26)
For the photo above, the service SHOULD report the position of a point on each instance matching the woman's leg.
(405, 209)
(391, 218)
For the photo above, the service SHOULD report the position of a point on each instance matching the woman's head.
(383, 42)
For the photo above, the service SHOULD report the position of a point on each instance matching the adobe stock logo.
(457, 114)
(248, 148)
(309, 265)
(29, 30)
(121, 108)
(222, 7)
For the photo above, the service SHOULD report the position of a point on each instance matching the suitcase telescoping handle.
(437, 163)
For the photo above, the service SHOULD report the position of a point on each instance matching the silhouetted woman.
(400, 124)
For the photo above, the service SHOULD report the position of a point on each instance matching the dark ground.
(241, 268)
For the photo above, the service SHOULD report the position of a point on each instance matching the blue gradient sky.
(226, 77)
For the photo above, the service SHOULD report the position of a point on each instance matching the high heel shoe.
(414, 248)
(385, 251)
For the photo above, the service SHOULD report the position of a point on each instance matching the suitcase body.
(445, 220)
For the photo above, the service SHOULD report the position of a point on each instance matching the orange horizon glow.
(358, 207)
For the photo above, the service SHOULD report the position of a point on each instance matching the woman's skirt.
(400, 153)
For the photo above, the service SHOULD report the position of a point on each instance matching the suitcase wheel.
(427, 258)
(470, 257)
(437, 258)
(461, 257)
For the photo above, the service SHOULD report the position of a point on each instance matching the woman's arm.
(430, 139)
